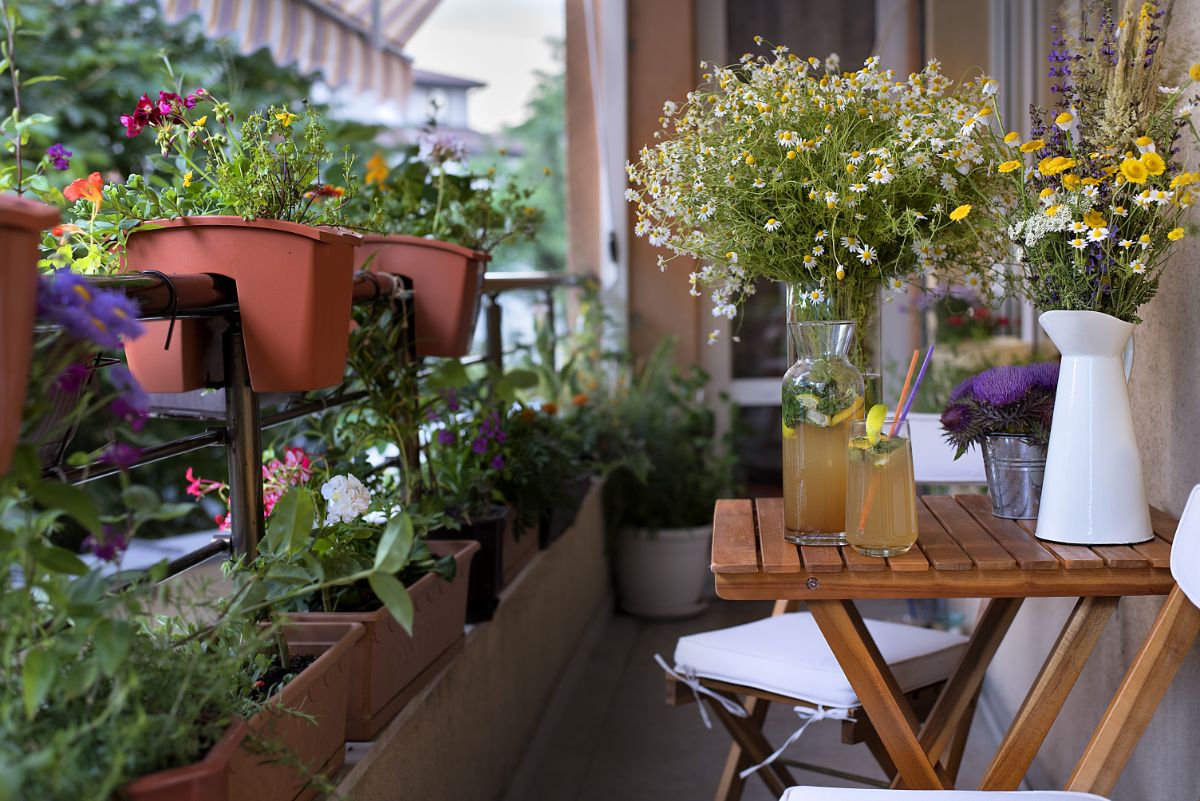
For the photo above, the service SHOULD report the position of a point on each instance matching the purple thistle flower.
(59, 156)
(109, 545)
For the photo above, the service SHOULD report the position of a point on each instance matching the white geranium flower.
(346, 499)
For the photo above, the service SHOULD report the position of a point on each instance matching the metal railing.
(239, 429)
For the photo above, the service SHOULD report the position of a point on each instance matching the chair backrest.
(1185, 550)
(933, 457)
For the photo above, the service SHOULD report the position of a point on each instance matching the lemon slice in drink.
(788, 432)
(875, 419)
(847, 413)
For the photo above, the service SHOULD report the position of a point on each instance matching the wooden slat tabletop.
(962, 551)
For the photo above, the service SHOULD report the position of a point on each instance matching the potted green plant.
(251, 203)
(661, 509)
(430, 218)
(22, 222)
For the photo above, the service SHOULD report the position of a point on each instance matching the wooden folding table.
(962, 551)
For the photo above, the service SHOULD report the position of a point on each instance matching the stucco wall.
(1165, 393)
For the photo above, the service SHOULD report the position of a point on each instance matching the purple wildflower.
(109, 545)
(59, 156)
(98, 316)
(452, 400)
(121, 455)
(498, 462)
(956, 418)
(480, 445)
(72, 379)
(445, 437)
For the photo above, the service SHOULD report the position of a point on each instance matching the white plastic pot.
(664, 573)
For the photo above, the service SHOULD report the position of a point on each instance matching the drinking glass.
(881, 495)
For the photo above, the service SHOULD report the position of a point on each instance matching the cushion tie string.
(686, 675)
(809, 716)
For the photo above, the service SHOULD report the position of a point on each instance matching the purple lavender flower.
(59, 156)
(109, 545)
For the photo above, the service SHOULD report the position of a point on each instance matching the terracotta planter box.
(320, 691)
(555, 524)
(294, 287)
(447, 282)
(22, 222)
(517, 551)
(206, 780)
(387, 666)
(487, 569)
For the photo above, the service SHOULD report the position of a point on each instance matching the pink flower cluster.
(279, 475)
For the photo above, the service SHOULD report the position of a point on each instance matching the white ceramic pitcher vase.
(1093, 492)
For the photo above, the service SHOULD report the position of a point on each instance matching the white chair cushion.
(788, 655)
(855, 794)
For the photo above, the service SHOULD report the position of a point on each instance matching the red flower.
(90, 188)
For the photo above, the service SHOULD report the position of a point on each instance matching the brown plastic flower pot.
(388, 667)
(316, 738)
(561, 518)
(294, 287)
(487, 569)
(447, 282)
(206, 780)
(518, 550)
(22, 222)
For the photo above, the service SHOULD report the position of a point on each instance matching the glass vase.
(859, 304)
(822, 396)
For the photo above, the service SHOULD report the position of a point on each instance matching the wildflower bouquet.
(1009, 399)
(1101, 192)
(431, 192)
(791, 170)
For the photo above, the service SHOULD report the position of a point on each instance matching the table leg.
(881, 697)
(1048, 694)
(954, 704)
(1144, 685)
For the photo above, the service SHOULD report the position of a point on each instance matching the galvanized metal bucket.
(1014, 466)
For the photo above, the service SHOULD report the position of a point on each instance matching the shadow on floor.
(610, 737)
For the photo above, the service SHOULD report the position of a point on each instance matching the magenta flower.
(121, 455)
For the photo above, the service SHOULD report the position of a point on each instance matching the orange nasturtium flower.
(580, 400)
(377, 170)
(90, 189)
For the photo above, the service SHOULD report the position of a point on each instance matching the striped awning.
(357, 44)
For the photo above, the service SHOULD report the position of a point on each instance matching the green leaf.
(522, 378)
(43, 79)
(72, 500)
(37, 675)
(11, 778)
(58, 560)
(450, 374)
(395, 545)
(112, 640)
(140, 499)
(291, 522)
(391, 592)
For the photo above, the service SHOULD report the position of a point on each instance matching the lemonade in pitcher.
(822, 396)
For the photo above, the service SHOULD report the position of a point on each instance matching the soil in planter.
(277, 676)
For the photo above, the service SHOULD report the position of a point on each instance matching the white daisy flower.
(948, 182)
(859, 187)
(850, 243)
(714, 335)
(867, 254)
(785, 138)
(1077, 227)
(896, 284)
(1120, 211)
(731, 257)
(880, 176)
(1098, 234)
(759, 183)
(1079, 243)
(772, 224)
(1125, 244)
(820, 237)
(1090, 192)
(632, 195)
(819, 250)
(855, 157)
(1138, 267)
(816, 295)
